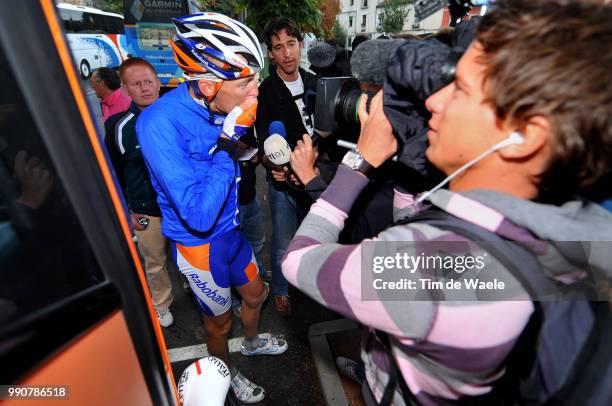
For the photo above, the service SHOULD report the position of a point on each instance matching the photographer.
(522, 130)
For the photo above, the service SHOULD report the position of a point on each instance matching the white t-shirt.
(297, 87)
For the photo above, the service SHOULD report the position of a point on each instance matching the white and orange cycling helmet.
(210, 46)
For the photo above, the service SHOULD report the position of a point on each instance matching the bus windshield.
(148, 29)
(153, 36)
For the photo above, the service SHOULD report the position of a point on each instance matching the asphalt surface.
(288, 379)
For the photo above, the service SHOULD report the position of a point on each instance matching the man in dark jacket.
(284, 96)
(140, 82)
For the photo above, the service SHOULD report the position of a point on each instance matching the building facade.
(87, 3)
(362, 17)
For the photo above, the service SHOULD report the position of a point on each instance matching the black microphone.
(369, 60)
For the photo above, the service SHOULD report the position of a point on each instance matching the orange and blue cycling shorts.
(213, 268)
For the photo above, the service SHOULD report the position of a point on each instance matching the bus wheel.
(85, 70)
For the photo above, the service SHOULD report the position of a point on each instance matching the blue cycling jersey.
(197, 188)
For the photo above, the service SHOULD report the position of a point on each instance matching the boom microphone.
(276, 147)
(322, 55)
(369, 60)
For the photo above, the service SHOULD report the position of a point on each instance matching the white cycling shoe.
(246, 391)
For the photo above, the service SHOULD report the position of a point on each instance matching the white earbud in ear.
(516, 138)
(513, 139)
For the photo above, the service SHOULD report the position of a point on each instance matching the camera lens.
(346, 104)
(336, 105)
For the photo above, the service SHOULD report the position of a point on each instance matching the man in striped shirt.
(536, 99)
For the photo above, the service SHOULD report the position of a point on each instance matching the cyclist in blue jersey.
(189, 141)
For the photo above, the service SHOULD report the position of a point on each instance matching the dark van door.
(74, 306)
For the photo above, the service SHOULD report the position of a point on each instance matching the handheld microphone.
(276, 147)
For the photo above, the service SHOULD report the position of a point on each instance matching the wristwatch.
(356, 161)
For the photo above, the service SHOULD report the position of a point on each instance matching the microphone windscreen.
(277, 149)
(369, 60)
(322, 55)
(277, 127)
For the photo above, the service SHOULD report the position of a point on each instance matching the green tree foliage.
(340, 34)
(113, 6)
(227, 7)
(393, 15)
(305, 13)
(329, 11)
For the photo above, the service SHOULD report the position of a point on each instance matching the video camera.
(409, 71)
(336, 104)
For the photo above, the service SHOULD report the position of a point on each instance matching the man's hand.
(35, 180)
(376, 141)
(240, 119)
(241, 147)
(295, 180)
(269, 164)
(278, 174)
(303, 160)
(228, 145)
(135, 223)
(248, 104)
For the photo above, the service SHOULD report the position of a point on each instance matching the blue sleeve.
(198, 200)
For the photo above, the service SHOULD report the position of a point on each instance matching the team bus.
(148, 28)
(77, 326)
(96, 37)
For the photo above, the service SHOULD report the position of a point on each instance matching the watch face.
(352, 159)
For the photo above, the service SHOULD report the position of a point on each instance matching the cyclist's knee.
(254, 301)
(218, 327)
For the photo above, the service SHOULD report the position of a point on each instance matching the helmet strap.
(197, 93)
(202, 99)
(215, 90)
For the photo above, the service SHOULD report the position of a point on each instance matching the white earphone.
(514, 138)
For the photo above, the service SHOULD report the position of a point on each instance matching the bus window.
(65, 16)
(91, 25)
(73, 295)
(78, 23)
(45, 257)
(155, 36)
(148, 28)
(113, 25)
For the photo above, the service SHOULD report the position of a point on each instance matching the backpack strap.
(395, 375)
